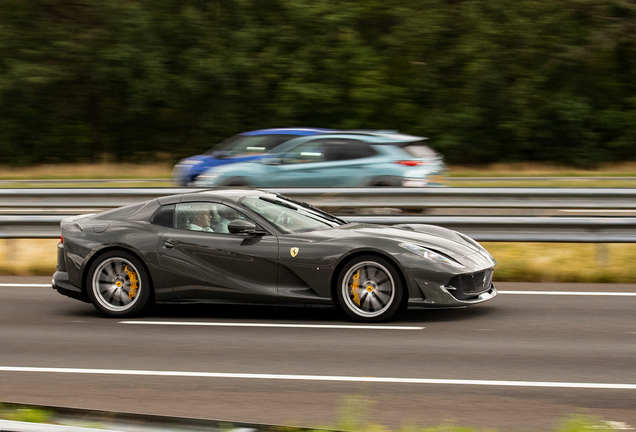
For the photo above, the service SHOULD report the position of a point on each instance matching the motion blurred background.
(157, 80)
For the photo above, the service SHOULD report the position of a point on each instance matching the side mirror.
(240, 226)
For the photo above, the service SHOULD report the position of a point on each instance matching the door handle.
(168, 245)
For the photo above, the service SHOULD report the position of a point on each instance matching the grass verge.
(163, 171)
(88, 171)
(564, 262)
(572, 424)
(24, 414)
(529, 169)
(518, 262)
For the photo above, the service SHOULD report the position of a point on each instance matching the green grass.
(349, 422)
(25, 414)
(544, 183)
(626, 169)
(163, 171)
(115, 184)
(88, 171)
(564, 262)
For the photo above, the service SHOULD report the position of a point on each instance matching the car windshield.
(248, 145)
(289, 217)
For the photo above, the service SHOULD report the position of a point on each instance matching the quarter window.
(164, 216)
(337, 150)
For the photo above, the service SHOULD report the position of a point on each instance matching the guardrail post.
(10, 253)
(602, 254)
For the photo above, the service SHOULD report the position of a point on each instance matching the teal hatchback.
(339, 159)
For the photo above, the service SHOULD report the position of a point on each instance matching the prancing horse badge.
(293, 252)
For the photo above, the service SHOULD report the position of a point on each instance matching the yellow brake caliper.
(354, 288)
(134, 283)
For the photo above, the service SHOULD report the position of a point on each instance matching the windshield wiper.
(316, 209)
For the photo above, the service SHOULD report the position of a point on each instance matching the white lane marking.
(598, 211)
(322, 378)
(579, 293)
(230, 324)
(25, 285)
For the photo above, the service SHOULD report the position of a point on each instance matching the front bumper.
(444, 299)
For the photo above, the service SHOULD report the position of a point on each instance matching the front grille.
(469, 286)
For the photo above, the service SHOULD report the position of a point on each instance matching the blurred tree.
(530, 80)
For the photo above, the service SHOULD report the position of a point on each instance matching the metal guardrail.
(595, 229)
(359, 198)
(496, 228)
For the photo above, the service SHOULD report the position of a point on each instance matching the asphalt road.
(522, 361)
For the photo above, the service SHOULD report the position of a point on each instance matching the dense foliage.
(486, 80)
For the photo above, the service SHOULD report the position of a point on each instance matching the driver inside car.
(201, 221)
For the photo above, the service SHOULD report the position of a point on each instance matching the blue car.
(244, 147)
(338, 159)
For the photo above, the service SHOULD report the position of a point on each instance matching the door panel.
(220, 266)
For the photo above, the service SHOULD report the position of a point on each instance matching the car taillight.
(62, 239)
(411, 162)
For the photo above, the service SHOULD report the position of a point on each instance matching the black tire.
(237, 182)
(378, 293)
(386, 181)
(111, 281)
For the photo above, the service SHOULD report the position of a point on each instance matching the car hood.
(195, 160)
(438, 238)
(433, 237)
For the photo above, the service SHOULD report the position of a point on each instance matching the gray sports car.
(255, 246)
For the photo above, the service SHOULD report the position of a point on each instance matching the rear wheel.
(237, 181)
(118, 284)
(386, 181)
(370, 289)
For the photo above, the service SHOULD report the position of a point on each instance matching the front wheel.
(370, 289)
(118, 285)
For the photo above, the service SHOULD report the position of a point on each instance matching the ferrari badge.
(293, 252)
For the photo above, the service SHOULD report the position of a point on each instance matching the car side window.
(311, 151)
(206, 217)
(347, 149)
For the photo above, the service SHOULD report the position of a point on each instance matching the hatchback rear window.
(419, 150)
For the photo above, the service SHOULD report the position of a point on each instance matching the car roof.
(218, 195)
(380, 136)
(375, 137)
(288, 131)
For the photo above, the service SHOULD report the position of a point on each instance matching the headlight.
(430, 255)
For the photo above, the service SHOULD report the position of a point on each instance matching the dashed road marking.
(274, 325)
